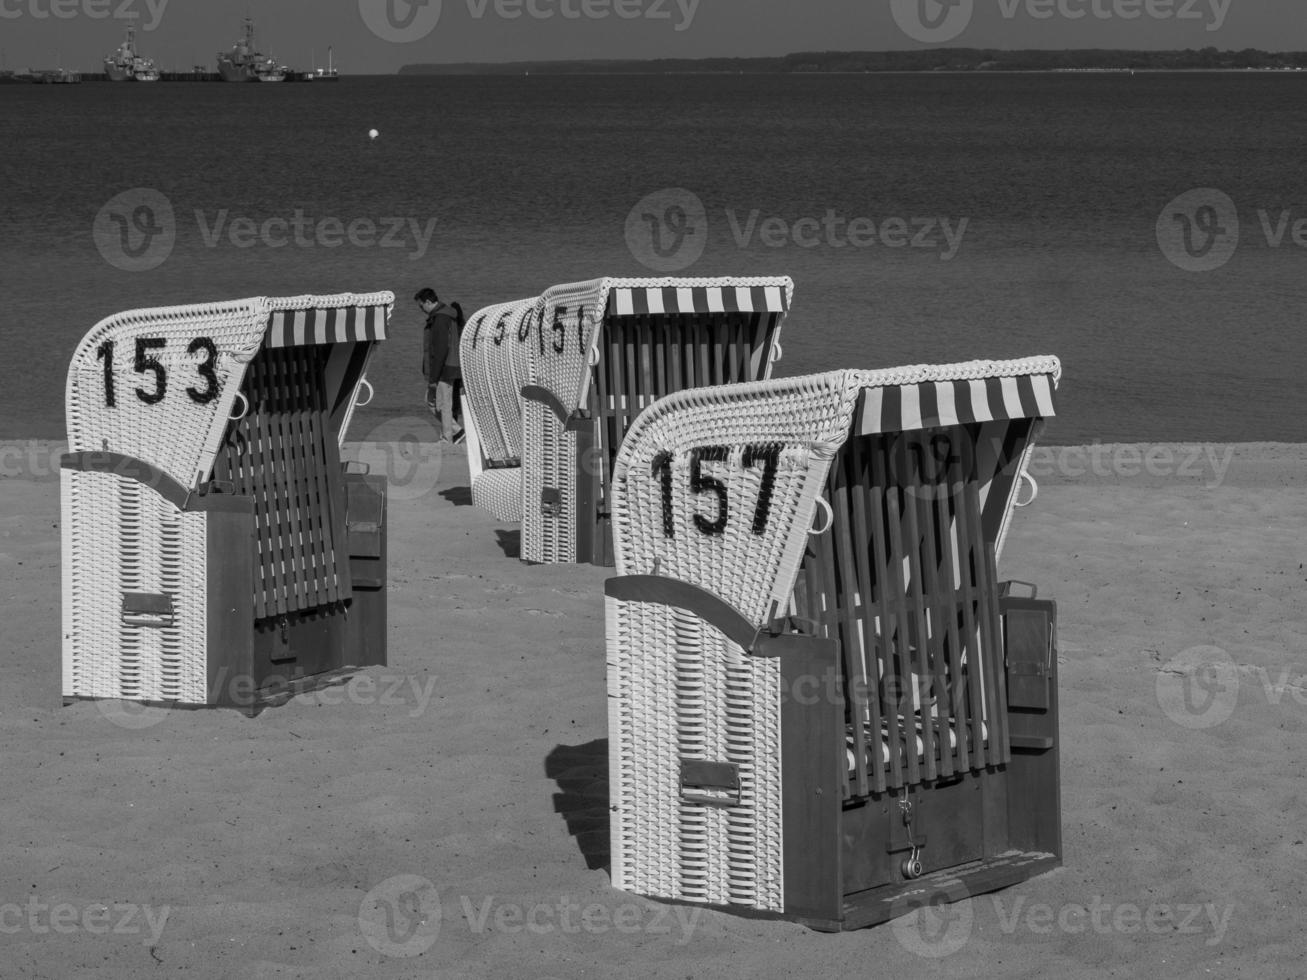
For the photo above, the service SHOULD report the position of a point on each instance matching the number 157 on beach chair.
(822, 703)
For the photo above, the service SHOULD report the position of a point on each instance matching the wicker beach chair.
(496, 364)
(822, 703)
(603, 351)
(215, 550)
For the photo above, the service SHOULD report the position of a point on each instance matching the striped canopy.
(326, 325)
(934, 404)
(672, 300)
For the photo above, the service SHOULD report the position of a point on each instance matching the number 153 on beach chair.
(215, 551)
(822, 703)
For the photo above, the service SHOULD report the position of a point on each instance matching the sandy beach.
(462, 789)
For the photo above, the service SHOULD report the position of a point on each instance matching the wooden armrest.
(206, 498)
(711, 608)
(541, 394)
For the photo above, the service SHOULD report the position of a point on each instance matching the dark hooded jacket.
(440, 345)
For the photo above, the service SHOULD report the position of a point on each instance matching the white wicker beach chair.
(496, 366)
(603, 351)
(214, 550)
(818, 690)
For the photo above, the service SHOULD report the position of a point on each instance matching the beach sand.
(476, 761)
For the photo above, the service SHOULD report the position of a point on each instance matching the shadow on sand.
(581, 772)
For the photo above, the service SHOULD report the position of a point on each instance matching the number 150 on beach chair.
(822, 703)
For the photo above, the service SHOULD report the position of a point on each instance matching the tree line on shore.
(926, 59)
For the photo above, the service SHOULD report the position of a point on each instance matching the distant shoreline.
(897, 71)
(931, 60)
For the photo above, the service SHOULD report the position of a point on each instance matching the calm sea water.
(529, 180)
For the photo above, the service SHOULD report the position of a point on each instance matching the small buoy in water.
(373, 134)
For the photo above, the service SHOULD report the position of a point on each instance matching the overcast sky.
(378, 36)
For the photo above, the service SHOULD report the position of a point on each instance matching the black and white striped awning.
(936, 404)
(639, 300)
(331, 325)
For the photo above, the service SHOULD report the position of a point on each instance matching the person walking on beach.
(440, 363)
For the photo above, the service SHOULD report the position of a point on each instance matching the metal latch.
(153, 609)
(911, 866)
(710, 783)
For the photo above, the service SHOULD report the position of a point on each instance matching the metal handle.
(1034, 490)
(371, 393)
(830, 518)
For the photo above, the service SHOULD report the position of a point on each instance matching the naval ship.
(126, 65)
(244, 63)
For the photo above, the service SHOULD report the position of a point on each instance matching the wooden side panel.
(811, 778)
(230, 613)
(1034, 770)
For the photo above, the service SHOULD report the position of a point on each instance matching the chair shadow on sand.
(458, 496)
(510, 542)
(581, 772)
